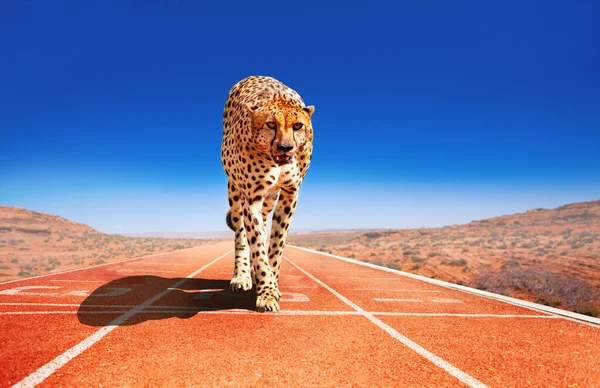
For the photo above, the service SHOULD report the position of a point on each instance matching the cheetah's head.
(281, 129)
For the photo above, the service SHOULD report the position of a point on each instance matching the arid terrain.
(33, 243)
(547, 256)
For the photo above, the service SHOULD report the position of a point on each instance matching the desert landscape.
(34, 243)
(551, 257)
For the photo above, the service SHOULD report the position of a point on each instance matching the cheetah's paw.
(268, 301)
(241, 282)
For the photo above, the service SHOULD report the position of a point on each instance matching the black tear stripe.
(273, 141)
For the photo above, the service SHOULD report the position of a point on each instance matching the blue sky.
(427, 113)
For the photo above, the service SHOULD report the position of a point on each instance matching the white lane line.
(445, 365)
(283, 286)
(445, 300)
(175, 309)
(362, 278)
(47, 370)
(434, 300)
(94, 266)
(391, 289)
(569, 315)
(394, 314)
(396, 300)
(186, 311)
(149, 271)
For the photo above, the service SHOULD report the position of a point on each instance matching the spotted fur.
(266, 151)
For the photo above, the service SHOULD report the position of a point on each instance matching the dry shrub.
(548, 288)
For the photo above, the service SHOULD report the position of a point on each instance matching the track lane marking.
(564, 314)
(284, 287)
(397, 300)
(445, 300)
(148, 271)
(433, 300)
(363, 277)
(441, 363)
(183, 310)
(47, 370)
(391, 289)
(162, 263)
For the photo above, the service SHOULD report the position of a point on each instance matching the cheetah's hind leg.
(228, 221)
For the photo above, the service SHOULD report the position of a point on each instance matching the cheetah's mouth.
(282, 159)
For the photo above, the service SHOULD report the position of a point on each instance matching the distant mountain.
(582, 214)
(201, 235)
(18, 223)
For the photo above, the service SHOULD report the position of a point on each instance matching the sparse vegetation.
(46, 243)
(546, 287)
(564, 241)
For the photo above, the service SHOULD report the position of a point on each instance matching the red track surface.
(341, 324)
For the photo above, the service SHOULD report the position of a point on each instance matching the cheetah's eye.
(297, 126)
(271, 125)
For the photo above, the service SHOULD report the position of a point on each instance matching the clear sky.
(427, 113)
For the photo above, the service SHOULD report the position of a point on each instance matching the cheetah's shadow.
(108, 303)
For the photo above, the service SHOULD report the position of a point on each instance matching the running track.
(168, 320)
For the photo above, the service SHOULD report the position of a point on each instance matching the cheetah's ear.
(251, 108)
(310, 110)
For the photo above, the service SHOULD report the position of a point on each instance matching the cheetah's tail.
(228, 221)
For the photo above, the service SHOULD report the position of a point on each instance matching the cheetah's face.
(281, 129)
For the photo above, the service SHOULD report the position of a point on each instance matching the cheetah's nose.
(285, 147)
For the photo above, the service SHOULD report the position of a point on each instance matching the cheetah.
(266, 151)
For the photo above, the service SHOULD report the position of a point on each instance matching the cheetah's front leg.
(267, 297)
(282, 219)
(242, 274)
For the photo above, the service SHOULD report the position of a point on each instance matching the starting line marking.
(443, 364)
(47, 370)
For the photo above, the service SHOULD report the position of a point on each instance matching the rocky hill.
(551, 256)
(34, 243)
